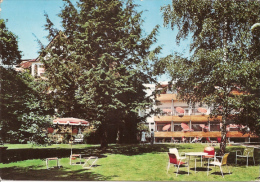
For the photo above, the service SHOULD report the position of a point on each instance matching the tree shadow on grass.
(56, 174)
(136, 149)
(220, 174)
(14, 155)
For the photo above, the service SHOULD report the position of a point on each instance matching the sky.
(25, 18)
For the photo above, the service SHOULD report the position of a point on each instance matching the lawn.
(117, 163)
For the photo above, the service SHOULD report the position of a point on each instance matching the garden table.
(50, 159)
(195, 154)
(74, 157)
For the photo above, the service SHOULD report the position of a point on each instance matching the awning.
(70, 121)
(166, 127)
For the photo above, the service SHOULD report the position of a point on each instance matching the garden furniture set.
(88, 161)
(208, 155)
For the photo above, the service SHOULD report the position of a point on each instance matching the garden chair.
(173, 159)
(219, 139)
(195, 140)
(176, 152)
(223, 162)
(52, 159)
(211, 153)
(248, 152)
(199, 140)
(183, 139)
(212, 142)
(90, 161)
(75, 157)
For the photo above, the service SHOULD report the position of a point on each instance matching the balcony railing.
(169, 111)
(202, 134)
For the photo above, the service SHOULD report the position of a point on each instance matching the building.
(34, 65)
(177, 121)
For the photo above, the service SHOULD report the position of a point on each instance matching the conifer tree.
(97, 65)
(9, 52)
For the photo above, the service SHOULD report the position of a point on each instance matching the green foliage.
(9, 53)
(97, 66)
(21, 113)
(142, 127)
(22, 116)
(221, 40)
(250, 103)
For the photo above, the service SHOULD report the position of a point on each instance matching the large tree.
(22, 117)
(221, 36)
(250, 102)
(97, 65)
(9, 52)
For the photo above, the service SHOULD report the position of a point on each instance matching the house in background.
(179, 121)
(34, 65)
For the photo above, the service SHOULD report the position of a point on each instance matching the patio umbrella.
(72, 122)
(166, 127)
(185, 127)
(204, 126)
(202, 110)
(234, 126)
(180, 110)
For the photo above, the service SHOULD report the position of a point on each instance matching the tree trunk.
(103, 139)
(118, 138)
(223, 137)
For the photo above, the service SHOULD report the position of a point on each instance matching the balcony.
(182, 111)
(192, 118)
(231, 134)
(166, 97)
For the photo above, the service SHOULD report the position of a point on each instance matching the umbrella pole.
(71, 142)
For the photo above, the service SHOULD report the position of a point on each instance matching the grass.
(121, 163)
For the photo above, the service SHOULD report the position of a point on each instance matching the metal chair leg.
(47, 163)
(177, 170)
(221, 171)
(228, 169)
(168, 167)
(247, 162)
(208, 169)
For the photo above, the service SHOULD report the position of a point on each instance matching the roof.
(27, 64)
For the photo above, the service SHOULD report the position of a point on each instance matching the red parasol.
(72, 122)
(180, 110)
(204, 127)
(202, 110)
(234, 126)
(185, 127)
(166, 127)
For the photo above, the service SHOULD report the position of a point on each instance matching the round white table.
(196, 154)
